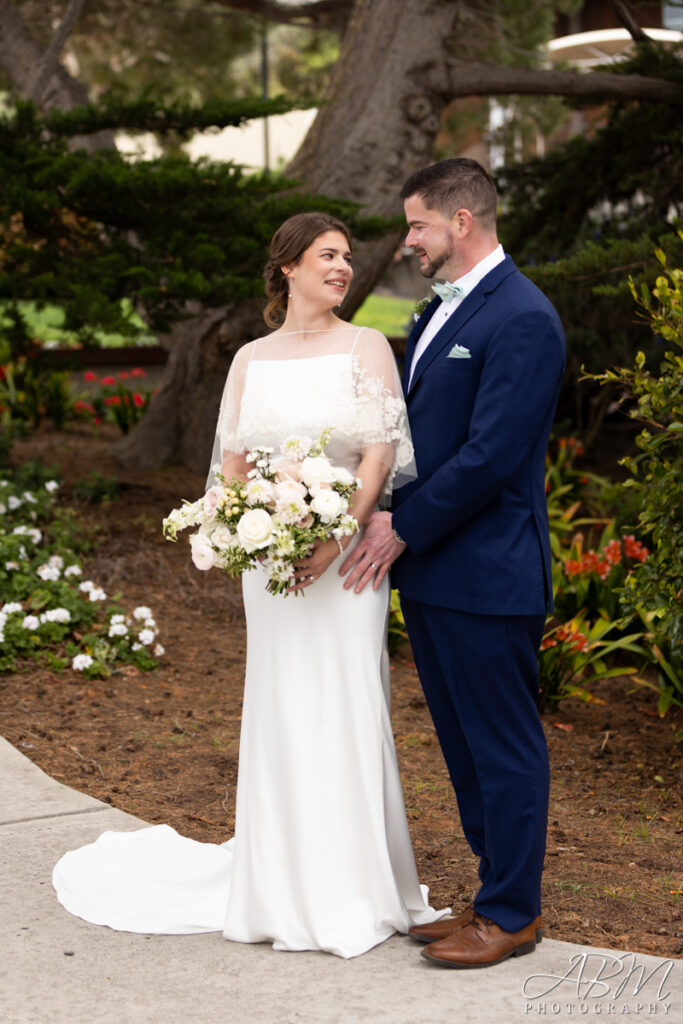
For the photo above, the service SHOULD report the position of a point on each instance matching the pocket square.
(459, 352)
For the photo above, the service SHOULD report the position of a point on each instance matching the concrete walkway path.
(56, 969)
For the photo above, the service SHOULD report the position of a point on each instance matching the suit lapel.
(417, 330)
(465, 311)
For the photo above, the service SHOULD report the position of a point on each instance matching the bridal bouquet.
(290, 500)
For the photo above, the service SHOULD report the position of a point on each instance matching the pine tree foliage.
(86, 231)
(624, 180)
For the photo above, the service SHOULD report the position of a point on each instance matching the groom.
(469, 538)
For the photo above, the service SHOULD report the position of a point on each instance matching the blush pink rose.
(287, 469)
(289, 490)
(211, 499)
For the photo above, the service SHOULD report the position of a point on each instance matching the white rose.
(342, 476)
(255, 529)
(317, 470)
(222, 538)
(328, 505)
(203, 555)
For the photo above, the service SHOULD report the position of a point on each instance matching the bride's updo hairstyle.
(289, 243)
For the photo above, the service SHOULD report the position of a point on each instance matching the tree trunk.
(377, 126)
(180, 424)
(20, 56)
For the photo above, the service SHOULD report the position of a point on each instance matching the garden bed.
(163, 745)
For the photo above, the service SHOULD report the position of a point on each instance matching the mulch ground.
(163, 745)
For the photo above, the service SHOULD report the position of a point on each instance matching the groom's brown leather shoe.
(481, 943)
(437, 930)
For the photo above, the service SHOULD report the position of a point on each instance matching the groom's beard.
(430, 268)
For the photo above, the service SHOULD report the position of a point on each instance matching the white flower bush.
(51, 614)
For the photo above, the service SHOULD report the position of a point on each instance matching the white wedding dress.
(321, 858)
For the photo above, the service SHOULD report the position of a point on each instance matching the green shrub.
(652, 589)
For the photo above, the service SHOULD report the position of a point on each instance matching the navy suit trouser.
(480, 677)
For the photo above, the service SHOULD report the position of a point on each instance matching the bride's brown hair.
(288, 245)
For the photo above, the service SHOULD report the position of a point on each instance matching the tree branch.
(465, 78)
(20, 54)
(50, 60)
(323, 14)
(628, 21)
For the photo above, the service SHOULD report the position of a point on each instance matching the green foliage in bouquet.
(288, 502)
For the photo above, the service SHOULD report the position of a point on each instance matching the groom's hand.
(371, 558)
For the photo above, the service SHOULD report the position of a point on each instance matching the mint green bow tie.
(447, 291)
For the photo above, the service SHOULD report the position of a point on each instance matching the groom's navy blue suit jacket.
(475, 520)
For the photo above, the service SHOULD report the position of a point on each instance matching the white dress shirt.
(467, 282)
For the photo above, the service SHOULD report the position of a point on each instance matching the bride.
(321, 857)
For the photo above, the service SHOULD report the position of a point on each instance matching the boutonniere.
(420, 307)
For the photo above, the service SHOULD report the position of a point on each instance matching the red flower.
(2, 373)
(108, 382)
(112, 400)
(83, 407)
(634, 549)
(97, 420)
(137, 372)
(89, 376)
(123, 375)
(138, 399)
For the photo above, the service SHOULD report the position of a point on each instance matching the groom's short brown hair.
(451, 185)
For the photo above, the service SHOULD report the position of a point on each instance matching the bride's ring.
(310, 578)
(372, 565)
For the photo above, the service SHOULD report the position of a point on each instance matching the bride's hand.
(311, 568)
